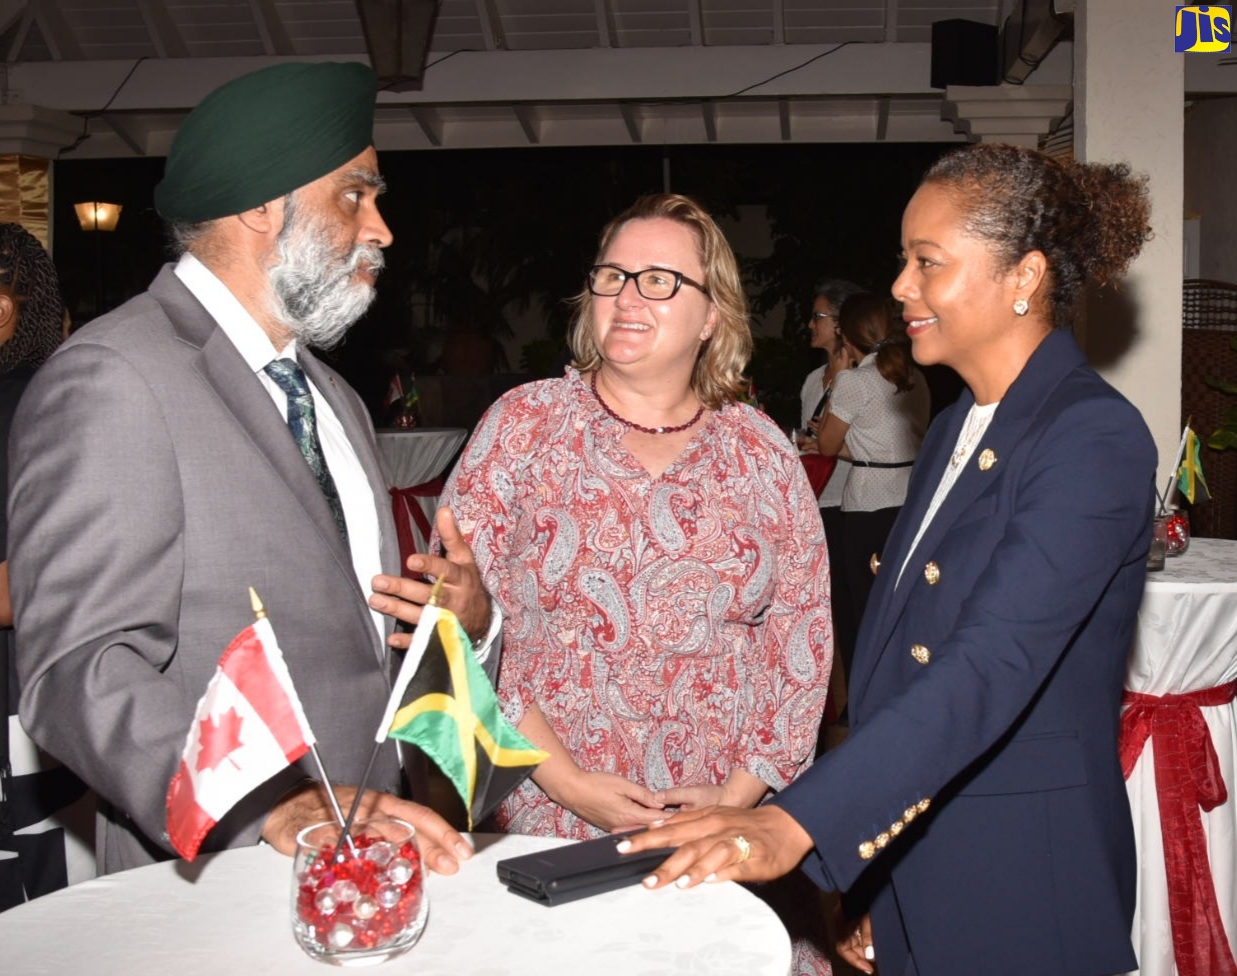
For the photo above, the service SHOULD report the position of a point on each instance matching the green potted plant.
(1225, 436)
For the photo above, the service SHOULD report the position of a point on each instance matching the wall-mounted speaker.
(965, 52)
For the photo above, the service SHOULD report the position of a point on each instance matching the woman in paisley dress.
(655, 547)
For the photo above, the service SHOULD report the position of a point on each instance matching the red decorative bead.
(380, 920)
(1178, 534)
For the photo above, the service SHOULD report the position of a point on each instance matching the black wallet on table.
(589, 867)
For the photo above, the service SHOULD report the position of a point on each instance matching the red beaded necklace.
(646, 430)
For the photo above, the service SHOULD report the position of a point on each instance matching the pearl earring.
(1021, 307)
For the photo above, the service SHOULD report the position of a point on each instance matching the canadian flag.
(249, 725)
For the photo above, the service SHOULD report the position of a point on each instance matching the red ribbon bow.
(1187, 778)
(404, 506)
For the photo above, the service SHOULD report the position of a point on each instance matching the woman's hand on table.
(724, 844)
(442, 846)
(854, 940)
(462, 591)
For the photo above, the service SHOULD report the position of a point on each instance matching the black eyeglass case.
(590, 867)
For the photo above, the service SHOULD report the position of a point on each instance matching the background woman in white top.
(814, 398)
(877, 416)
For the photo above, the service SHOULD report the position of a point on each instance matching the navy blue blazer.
(978, 802)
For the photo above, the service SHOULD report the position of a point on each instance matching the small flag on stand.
(444, 704)
(248, 726)
(1190, 480)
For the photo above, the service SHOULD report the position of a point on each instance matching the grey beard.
(314, 295)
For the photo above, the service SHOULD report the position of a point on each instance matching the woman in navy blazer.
(976, 816)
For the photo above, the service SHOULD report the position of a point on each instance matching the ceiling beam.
(491, 25)
(783, 120)
(10, 12)
(882, 118)
(431, 124)
(55, 30)
(779, 22)
(125, 134)
(526, 115)
(164, 34)
(275, 39)
(503, 77)
(695, 21)
(606, 31)
(632, 122)
(891, 21)
(708, 113)
(23, 31)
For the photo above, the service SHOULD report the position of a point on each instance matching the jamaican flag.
(444, 704)
(1190, 480)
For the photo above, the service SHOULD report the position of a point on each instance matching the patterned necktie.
(290, 378)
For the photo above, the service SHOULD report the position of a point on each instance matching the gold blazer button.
(874, 563)
(987, 459)
(932, 573)
(921, 653)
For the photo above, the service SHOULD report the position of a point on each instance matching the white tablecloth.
(417, 455)
(414, 457)
(1186, 641)
(230, 914)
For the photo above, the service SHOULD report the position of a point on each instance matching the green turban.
(265, 134)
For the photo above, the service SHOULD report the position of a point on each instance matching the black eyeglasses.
(817, 316)
(655, 284)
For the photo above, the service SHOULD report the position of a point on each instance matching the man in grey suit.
(156, 478)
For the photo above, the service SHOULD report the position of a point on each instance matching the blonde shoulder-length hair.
(717, 377)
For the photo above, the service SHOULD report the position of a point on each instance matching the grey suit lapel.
(242, 394)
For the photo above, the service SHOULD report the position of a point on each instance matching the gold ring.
(744, 846)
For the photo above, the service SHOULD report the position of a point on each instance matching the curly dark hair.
(868, 323)
(27, 272)
(1089, 220)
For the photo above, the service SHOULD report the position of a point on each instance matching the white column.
(1129, 90)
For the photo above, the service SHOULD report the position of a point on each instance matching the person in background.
(814, 399)
(876, 418)
(977, 812)
(655, 548)
(45, 830)
(189, 445)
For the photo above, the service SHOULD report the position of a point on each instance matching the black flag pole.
(379, 739)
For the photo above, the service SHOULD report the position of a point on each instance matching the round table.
(416, 460)
(1186, 642)
(230, 913)
(419, 455)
